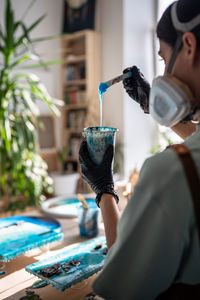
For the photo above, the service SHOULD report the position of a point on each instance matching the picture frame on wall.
(46, 135)
(78, 15)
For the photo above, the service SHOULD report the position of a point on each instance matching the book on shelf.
(75, 72)
(74, 96)
(76, 119)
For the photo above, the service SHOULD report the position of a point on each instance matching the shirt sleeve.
(149, 247)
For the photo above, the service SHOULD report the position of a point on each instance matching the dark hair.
(186, 10)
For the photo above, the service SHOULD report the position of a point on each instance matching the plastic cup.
(98, 139)
(89, 220)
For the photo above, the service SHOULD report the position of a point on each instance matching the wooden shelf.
(73, 130)
(80, 52)
(74, 60)
(47, 150)
(71, 159)
(76, 35)
(75, 82)
(75, 106)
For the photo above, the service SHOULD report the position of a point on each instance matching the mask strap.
(175, 52)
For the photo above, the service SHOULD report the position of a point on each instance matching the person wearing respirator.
(154, 244)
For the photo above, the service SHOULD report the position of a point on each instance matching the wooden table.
(16, 280)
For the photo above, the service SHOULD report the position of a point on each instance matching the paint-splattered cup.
(98, 140)
(89, 220)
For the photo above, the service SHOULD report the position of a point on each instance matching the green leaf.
(19, 61)
(47, 38)
(27, 10)
(9, 25)
(28, 30)
(57, 101)
(16, 25)
(54, 110)
(5, 138)
(1, 34)
(44, 64)
(8, 129)
(27, 98)
(29, 125)
(42, 94)
(1, 49)
(36, 22)
(3, 176)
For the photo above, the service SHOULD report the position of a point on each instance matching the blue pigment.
(101, 103)
(103, 88)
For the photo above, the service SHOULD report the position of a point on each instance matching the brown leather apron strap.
(181, 291)
(192, 177)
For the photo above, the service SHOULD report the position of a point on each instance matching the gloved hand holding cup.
(96, 159)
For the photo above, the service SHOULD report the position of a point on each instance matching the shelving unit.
(47, 142)
(81, 78)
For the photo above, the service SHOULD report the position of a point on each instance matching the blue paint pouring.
(105, 85)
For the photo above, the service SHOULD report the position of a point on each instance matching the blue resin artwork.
(98, 139)
(22, 233)
(65, 206)
(71, 266)
(2, 272)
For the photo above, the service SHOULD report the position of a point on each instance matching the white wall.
(139, 129)
(110, 26)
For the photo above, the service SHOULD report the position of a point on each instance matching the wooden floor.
(16, 281)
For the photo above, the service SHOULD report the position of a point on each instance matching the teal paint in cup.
(98, 140)
(89, 220)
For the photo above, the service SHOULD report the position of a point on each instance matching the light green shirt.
(157, 239)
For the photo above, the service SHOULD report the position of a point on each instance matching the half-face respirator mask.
(170, 98)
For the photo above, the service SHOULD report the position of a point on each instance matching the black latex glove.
(137, 87)
(99, 177)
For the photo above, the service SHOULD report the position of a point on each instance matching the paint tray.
(19, 234)
(90, 255)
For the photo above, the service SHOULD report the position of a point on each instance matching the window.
(166, 135)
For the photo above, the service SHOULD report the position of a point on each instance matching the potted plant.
(65, 181)
(23, 173)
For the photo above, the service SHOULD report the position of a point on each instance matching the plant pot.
(64, 184)
(8, 201)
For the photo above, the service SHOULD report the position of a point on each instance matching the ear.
(190, 46)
